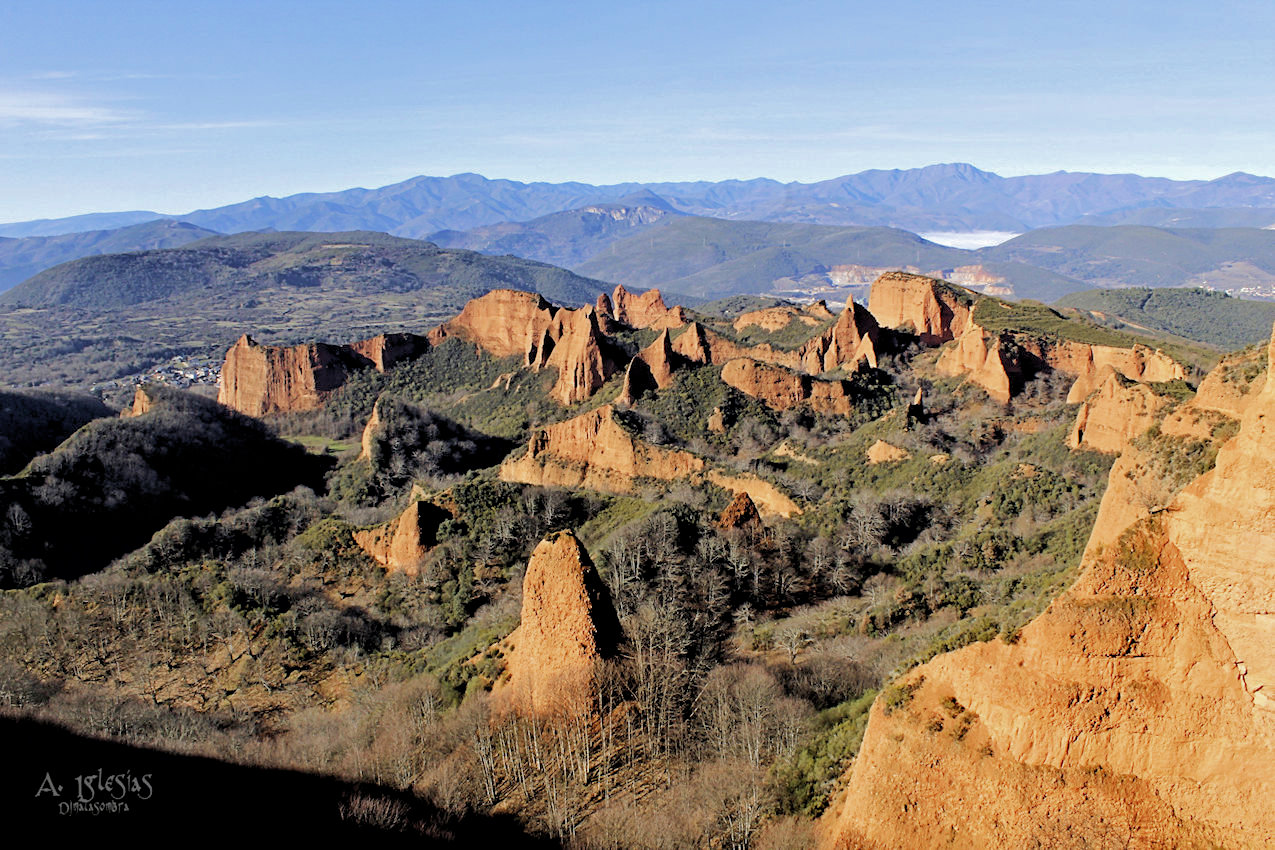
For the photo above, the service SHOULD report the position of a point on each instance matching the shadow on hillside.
(152, 794)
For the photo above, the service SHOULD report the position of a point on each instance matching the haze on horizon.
(136, 106)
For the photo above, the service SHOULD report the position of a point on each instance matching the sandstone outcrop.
(142, 403)
(650, 369)
(401, 544)
(370, 432)
(773, 319)
(740, 514)
(646, 310)
(1132, 713)
(1222, 397)
(851, 340)
(581, 356)
(568, 623)
(261, 379)
(1116, 412)
(1087, 362)
(986, 359)
(935, 311)
(504, 322)
(883, 452)
(385, 350)
(781, 389)
(769, 499)
(698, 344)
(594, 451)
(717, 421)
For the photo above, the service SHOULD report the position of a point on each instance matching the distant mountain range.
(953, 197)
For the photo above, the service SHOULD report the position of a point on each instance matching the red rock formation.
(851, 340)
(701, 345)
(581, 357)
(385, 350)
(883, 452)
(769, 499)
(650, 369)
(987, 360)
(259, 379)
(1086, 362)
(142, 403)
(1223, 396)
(593, 451)
(567, 625)
(504, 322)
(402, 544)
(1114, 414)
(819, 310)
(646, 310)
(773, 319)
(1132, 713)
(740, 514)
(936, 311)
(781, 389)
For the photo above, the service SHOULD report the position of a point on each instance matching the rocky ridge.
(1131, 713)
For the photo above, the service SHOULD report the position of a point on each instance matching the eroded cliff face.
(386, 350)
(402, 544)
(1115, 413)
(142, 403)
(935, 311)
(698, 344)
(986, 359)
(651, 369)
(568, 623)
(777, 318)
(1088, 362)
(646, 310)
(594, 451)
(850, 341)
(504, 322)
(1132, 713)
(782, 389)
(261, 379)
(581, 355)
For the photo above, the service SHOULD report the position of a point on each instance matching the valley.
(609, 562)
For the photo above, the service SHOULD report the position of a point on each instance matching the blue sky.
(175, 106)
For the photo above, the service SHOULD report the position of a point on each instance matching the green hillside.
(1212, 318)
(116, 482)
(361, 263)
(1143, 256)
(22, 258)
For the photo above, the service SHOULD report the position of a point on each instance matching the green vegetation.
(1036, 319)
(1139, 256)
(36, 421)
(116, 481)
(1210, 318)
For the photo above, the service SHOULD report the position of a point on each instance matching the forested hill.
(238, 266)
(23, 258)
(1213, 318)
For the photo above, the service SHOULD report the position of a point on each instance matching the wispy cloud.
(49, 108)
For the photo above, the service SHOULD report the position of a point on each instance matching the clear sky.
(173, 106)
